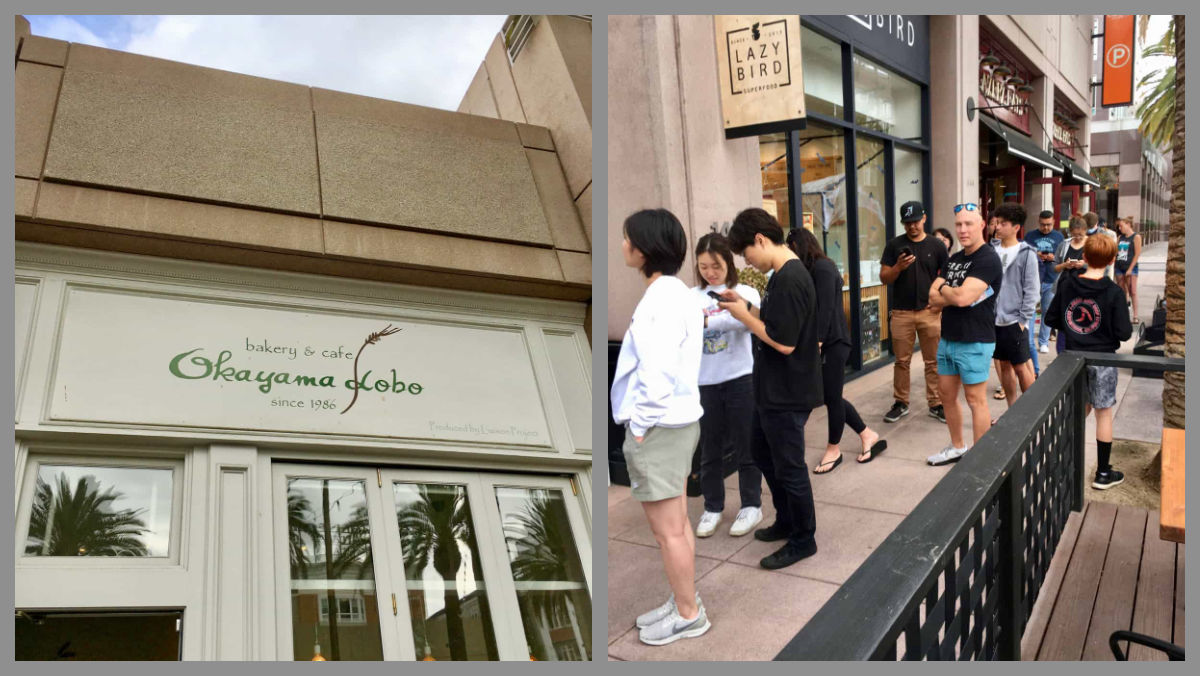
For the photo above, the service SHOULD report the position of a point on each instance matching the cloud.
(424, 60)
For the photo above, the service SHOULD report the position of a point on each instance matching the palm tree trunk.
(489, 631)
(1173, 383)
(331, 594)
(455, 635)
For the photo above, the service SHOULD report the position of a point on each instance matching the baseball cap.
(911, 211)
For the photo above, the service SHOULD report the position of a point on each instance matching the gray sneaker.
(648, 618)
(947, 455)
(673, 627)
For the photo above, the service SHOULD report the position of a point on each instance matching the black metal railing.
(957, 579)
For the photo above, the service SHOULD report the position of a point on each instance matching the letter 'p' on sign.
(1117, 88)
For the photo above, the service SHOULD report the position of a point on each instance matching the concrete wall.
(131, 153)
(954, 76)
(667, 146)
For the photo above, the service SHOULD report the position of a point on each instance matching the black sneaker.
(787, 555)
(772, 533)
(898, 411)
(1106, 479)
(937, 413)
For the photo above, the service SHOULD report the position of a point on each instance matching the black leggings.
(833, 377)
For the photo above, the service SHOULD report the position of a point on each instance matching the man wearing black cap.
(910, 263)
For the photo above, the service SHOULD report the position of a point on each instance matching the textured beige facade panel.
(574, 38)
(44, 50)
(431, 180)
(559, 207)
(576, 267)
(208, 82)
(533, 136)
(417, 118)
(198, 141)
(365, 242)
(24, 196)
(36, 89)
(478, 99)
(177, 218)
(549, 99)
(504, 91)
(583, 204)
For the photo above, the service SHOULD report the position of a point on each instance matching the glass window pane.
(872, 235)
(910, 179)
(556, 607)
(329, 547)
(98, 635)
(886, 102)
(772, 153)
(822, 73)
(823, 184)
(450, 614)
(100, 511)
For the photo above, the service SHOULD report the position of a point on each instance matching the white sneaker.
(947, 455)
(747, 519)
(651, 617)
(708, 524)
(1045, 349)
(673, 627)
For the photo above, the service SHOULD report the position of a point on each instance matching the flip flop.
(999, 394)
(833, 465)
(876, 448)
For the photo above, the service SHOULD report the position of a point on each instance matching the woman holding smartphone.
(1068, 259)
(726, 391)
(655, 396)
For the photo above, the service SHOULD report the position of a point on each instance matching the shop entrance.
(406, 564)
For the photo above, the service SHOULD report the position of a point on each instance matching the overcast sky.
(425, 60)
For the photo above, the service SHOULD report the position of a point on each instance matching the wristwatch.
(942, 286)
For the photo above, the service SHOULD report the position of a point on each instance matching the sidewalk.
(755, 612)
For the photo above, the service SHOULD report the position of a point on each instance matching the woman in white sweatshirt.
(656, 397)
(726, 392)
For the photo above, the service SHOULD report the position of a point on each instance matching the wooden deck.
(1111, 571)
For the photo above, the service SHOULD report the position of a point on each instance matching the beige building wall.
(953, 77)
(130, 153)
(666, 145)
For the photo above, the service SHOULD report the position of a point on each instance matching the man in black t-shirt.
(967, 291)
(787, 379)
(910, 263)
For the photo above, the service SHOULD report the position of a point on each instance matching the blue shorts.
(969, 361)
(1133, 272)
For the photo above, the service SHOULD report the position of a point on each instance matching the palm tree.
(1173, 383)
(82, 522)
(302, 530)
(1157, 109)
(431, 529)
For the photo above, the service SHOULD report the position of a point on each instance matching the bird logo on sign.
(1117, 56)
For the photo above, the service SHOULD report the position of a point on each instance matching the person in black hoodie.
(1090, 311)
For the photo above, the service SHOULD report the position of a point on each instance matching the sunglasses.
(969, 206)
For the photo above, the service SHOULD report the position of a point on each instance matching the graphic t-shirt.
(727, 352)
(974, 323)
(1125, 252)
(1045, 244)
(1007, 254)
(789, 382)
(910, 291)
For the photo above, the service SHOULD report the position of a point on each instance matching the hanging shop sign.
(1004, 85)
(899, 40)
(759, 69)
(1066, 127)
(1117, 73)
(158, 360)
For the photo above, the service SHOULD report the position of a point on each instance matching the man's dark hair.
(1046, 214)
(1012, 212)
(717, 245)
(660, 237)
(751, 222)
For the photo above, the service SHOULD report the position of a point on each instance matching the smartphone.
(716, 296)
(906, 251)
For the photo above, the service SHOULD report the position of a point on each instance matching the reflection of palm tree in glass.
(82, 522)
(302, 531)
(542, 549)
(430, 531)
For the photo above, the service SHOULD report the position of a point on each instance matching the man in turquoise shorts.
(966, 292)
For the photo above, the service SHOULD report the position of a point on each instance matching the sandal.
(832, 463)
(875, 449)
(999, 393)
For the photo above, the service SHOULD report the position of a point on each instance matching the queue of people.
(716, 368)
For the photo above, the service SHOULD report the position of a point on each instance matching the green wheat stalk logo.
(371, 340)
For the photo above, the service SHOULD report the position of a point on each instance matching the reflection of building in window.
(350, 609)
(471, 610)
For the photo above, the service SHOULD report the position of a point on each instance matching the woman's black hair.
(751, 222)
(945, 233)
(660, 237)
(804, 244)
(716, 244)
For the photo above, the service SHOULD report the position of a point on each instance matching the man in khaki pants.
(910, 263)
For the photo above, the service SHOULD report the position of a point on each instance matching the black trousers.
(728, 412)
(777, 442)
(833, 377)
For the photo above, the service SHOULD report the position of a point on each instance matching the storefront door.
(999, 186)
(430, 565)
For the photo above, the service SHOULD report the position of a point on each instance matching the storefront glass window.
(872, 236)
(127, 636)
(450, 613)
(772, 157)
(822, 73)
(100, 511)
(556, 607)
(885, 101)
(329, 546)
(910, 179)
(823, 186)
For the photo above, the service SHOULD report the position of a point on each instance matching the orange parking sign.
(1117, 88)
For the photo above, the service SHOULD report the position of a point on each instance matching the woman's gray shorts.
(658, 467)
(1102, 386)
